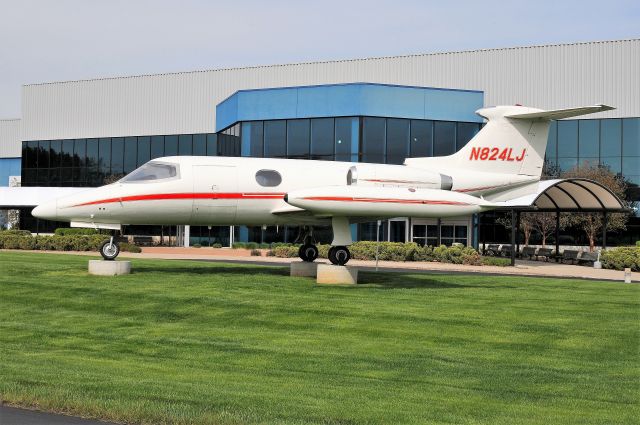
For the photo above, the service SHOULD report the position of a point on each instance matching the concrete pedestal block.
(109, 268)
(339, 275)
(304, 269)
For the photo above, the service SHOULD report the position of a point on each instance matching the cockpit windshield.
(151, 171)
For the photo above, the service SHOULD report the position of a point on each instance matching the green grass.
(196, 342)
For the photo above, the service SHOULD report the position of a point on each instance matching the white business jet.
(502, 162)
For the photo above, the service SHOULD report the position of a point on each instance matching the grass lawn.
(196, 342)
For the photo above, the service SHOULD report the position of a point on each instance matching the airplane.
(502, 161)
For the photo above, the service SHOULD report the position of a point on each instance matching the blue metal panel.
(354, 99)
(8, 167)
(392, 101)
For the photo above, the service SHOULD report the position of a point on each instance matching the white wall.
(545, 76)
(10, 146)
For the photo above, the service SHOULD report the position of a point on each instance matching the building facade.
(86, 133)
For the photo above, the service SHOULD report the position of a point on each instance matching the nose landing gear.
(308, 251)
(110, 250)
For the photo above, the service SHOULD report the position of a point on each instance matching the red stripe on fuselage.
(171, 196)
(385, 200)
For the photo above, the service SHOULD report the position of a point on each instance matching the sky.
(45, 41)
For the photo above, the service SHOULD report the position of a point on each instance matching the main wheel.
(339, 255)
(308, 253)
(109, 250)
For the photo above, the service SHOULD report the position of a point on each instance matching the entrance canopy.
(569, 195)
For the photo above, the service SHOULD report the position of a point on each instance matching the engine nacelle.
(386, 202)
(400, 176)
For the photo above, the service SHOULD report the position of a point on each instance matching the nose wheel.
(339, 255)
(109, 250)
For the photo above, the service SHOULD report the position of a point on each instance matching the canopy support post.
(604, 229)
(513, 238)
(518, 232)
(557, 236)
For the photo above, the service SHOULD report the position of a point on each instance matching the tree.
(591, 223)
(527, 224)
(545, 225)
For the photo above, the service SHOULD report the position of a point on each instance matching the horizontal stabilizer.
(561, 113)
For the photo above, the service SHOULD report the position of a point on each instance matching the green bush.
(285, 251)
(496, 261)
(216, 245)
(621, 258)
(53, 243)
(637, 243)
(256, 253)
(196, 245)
(69, 231)
(15, 232)
(128, 247)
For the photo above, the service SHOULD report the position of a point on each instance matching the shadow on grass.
(394, 280)
(248, 271)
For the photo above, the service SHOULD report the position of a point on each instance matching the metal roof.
(569, 195)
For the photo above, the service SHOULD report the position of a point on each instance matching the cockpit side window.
(151, 171)
(268, 178)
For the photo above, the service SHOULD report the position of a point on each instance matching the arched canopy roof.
(570, 195)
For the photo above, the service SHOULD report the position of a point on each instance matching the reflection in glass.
(275, 139)
(199, 145)
(630, 165)
(80, 153)
(157, 147)
(55, 152)
(66, 158)
(631, 137)
(444, 142)
(552, 143)
(212, 144)
(144, 150)
(567, 139)
(397, 140)
(43, 154)
(298, 139)
(614, 163)
(170, 145)
(104, 156)
(92, 153)
(346, 139)
(322, 134)
(421, 138)
(185, 145)
(589, 138)
(117, 155)
(130, 154)
(373, 140)
(465, 132)
(611, 137)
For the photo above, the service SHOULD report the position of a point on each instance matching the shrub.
(128, 247)
(637, 243)
(69, 231)
(495, 261)
(216, 245)
(196, 245)
(256, 253)
(621, 258)
(285, 251)
(15, 232)
(263, 246)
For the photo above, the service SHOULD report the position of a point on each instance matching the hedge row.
(58, 243)
(398, 251)
(621, 258)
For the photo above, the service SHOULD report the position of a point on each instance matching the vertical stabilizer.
(513, 141)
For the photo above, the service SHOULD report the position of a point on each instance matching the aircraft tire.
(109, 250)
(339, 255)
(308, 253)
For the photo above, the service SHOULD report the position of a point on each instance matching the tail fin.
(513, 141)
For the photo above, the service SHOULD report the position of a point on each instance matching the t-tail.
(513, 141)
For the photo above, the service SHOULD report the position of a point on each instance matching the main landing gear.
(110, 250)
(338, 253)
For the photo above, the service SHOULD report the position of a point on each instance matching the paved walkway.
(522, 268)
(17, 416)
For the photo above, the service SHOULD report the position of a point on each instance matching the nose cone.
(47, 210)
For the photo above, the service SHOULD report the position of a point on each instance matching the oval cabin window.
(268, 178)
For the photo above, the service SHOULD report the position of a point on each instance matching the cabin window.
(268, 178)
(151, 171)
